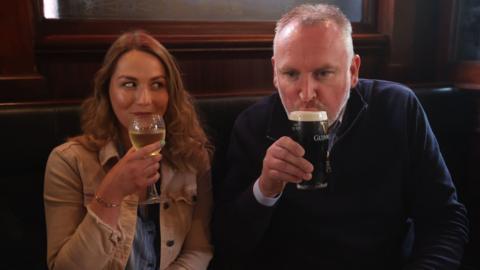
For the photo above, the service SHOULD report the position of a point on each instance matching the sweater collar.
(277, 121)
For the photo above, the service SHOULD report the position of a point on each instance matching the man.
(390, 202)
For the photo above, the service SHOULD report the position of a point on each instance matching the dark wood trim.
(369, 14)
(69, 43)
(69, 51)
(22, 87)
(385, 16)
(16, 34)
(370, 40)
(238, 93)
(36, 104)
(176, 34)
(466, 75)
(73, 102)
(463, 74)
(167, 28)
(446, 38)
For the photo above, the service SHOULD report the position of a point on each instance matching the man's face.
(312, 66)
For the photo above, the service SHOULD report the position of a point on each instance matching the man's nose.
(307, 89)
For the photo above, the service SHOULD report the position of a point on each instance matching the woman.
(94, 181)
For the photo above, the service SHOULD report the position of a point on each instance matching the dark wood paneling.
(445, 39)
(413, 28)
(387, 24)
(19, 79)
(463, 74)
(16, 48)
(467, 74)
(222, 58)
(216, 58)
(22, 88)
(216, 68)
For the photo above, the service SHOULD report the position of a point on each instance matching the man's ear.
(275, 79)
(354, 70)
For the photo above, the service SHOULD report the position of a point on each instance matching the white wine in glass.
(144, 130)
(140, 139)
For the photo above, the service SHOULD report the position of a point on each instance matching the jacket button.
(170, 243)
(166, 205)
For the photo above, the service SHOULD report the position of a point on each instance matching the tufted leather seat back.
(30, 131)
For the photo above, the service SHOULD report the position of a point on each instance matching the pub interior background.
(50, 50)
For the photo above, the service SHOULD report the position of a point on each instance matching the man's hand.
(283, 163)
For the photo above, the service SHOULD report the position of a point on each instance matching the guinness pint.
(310, 130)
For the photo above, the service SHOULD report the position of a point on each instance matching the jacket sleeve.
(76, 238)
(440, 222)
(197, 249)
(240, 221)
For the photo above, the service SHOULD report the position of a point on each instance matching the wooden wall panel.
(16, 48)
(412, 27)
(213, 71)
(226, 72)
(18, 76)
(466, 74)
(216, 58)
(69, 75)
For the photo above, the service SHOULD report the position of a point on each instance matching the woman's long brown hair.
(187, 148)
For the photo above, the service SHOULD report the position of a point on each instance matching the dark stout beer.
(310, 131)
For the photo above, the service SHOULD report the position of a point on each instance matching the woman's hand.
(132, 173)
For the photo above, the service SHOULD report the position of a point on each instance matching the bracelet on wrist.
(104, 203)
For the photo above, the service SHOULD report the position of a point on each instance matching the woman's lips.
(142, 113)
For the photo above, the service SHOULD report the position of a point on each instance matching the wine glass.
(143, 130)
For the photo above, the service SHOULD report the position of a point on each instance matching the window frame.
(96, 33)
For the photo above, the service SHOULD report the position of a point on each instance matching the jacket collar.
(107, 153)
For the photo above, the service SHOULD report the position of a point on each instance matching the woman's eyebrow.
(158, 77)
(127, 77)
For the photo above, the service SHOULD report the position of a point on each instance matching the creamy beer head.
(308, 116)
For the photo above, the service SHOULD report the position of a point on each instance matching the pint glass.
(310, 131)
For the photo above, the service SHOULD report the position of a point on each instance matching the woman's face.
(138, 86)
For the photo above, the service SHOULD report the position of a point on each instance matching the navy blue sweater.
(390, 203)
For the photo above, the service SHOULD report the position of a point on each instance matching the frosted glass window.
(468, 37)
(185, 10)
